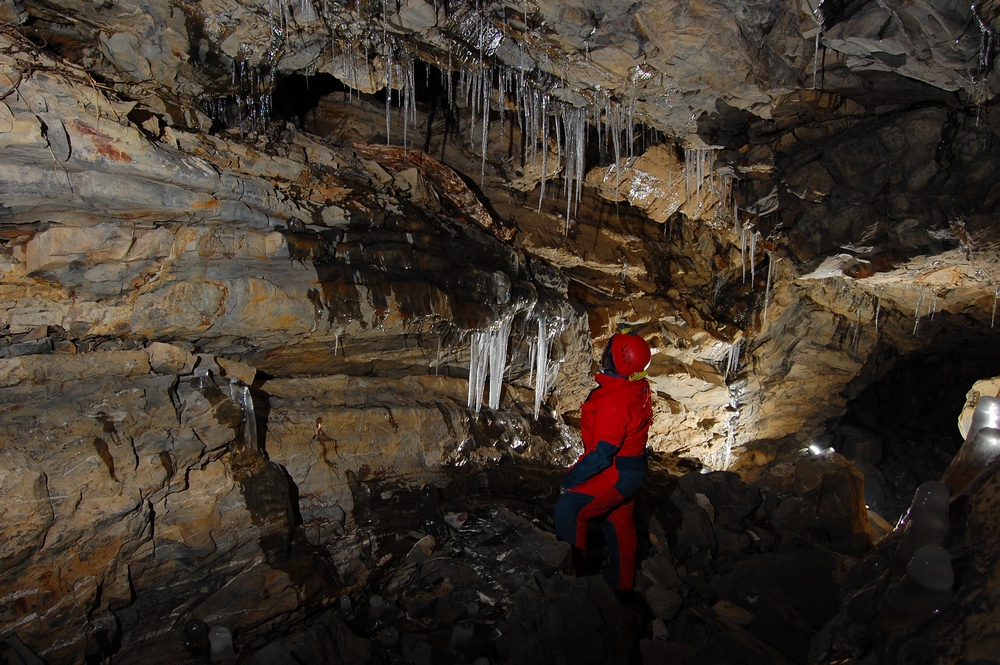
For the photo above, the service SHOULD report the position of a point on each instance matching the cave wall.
(796, 202)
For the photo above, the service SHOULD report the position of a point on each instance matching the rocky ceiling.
(780, 192)
(370, 213)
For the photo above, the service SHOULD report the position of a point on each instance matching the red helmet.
(627, 355)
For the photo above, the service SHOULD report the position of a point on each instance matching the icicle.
(388, 93)
(767, 287)
(409, 90)
(239, 392)
(541, 363)
(478, 360)
(488, 358)
(916, 313)
(878, 308)
(857, 331)
(819, 34)
(545, 148)
(996, 295)
(733, 361)
(487, 83)
(532, 353)
(730, 440)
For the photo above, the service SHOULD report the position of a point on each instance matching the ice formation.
(240, 394)
(925, 523)
(981, 447)
(488, 357)
(924, 590)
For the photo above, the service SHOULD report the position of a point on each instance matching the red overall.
(601, 485)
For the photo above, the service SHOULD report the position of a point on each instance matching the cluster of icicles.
(488, 357)
(555, 132)
(475, 81)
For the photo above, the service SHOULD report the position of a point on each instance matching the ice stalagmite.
(981, 447)
(221, 641)
(924, 591)
(925, 523)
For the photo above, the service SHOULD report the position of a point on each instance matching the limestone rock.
(169, 359)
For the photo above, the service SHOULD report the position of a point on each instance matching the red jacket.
(614, 423)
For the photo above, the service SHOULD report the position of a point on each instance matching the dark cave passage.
(902, 430)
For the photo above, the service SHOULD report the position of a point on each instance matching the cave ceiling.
(779, 191)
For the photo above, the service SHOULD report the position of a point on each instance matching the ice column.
(981, 447)
(541, 364)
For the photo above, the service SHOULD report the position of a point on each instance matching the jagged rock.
(821, 498)
(327, 640)
(558, 617)
(663, 602)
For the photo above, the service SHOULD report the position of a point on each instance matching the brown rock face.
(410, 229)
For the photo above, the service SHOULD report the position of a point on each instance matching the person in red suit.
(601, 485)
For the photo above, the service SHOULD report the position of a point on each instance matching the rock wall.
(784, 200)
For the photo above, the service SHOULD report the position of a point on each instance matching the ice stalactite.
(996, 296)
(484, 89)
(733, 360)
(983, 64)
(388, 91)
(748, 249)
(246, 438)
(488, 359)
(722, 458)
(544, 137)
(878, 307)
(541, 364)
(248, 107)
(768, 286)
(816, 51)
(916, 312)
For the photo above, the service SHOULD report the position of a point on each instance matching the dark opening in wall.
(902, 430)
(296, 96)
